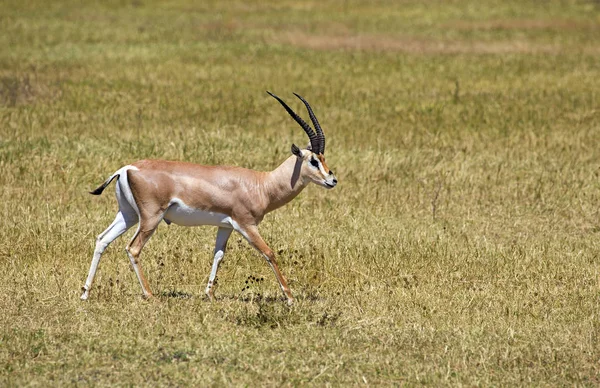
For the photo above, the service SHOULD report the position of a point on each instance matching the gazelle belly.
(181, 214)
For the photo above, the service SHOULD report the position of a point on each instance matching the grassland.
(461, 246)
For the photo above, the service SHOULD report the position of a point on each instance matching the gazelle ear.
(296, 151)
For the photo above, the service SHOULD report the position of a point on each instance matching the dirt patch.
(523, 24)
(410, 45)
(338, 36)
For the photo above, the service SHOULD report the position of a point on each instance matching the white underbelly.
(181, 214)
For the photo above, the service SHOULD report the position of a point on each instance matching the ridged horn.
(314, 140)
(313, 118)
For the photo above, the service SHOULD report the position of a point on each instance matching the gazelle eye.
(314, 163)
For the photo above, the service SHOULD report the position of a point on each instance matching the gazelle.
(231, 198)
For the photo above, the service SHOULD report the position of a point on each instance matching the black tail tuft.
(101, 188)
(98, 191)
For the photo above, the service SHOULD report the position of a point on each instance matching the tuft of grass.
(459, 248)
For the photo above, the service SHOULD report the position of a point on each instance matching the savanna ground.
(459, 248)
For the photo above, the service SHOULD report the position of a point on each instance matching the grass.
(460, 247)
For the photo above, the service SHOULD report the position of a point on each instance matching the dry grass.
(460, 247)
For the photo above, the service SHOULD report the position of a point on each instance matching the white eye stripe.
(315, 163)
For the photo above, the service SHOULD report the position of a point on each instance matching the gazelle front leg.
(222, 237)
(251, 234)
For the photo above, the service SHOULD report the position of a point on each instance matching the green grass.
(461, 246)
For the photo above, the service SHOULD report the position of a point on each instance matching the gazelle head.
(312, 160)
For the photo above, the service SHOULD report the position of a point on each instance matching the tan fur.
(325, 166)
(244, 195)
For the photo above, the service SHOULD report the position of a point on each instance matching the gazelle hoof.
(210, 292)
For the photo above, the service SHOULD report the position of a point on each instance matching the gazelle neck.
(284, 183)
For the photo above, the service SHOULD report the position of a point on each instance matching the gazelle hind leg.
(220, 245)
(122, 222)
(134, 248)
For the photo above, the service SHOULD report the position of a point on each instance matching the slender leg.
(251, 234)
(134, 248)
(117, 228)
(222, 237)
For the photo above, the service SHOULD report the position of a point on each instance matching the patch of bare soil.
(523, 24)
(410, 45)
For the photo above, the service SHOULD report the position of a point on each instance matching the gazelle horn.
(314, 140)
(313, 118)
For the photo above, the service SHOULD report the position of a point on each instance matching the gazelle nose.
(335, 181)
